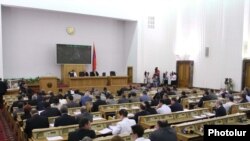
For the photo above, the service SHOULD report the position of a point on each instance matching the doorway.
(130, 74)
(185, 73)
(246, 74)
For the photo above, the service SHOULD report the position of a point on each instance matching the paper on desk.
(105, 131)
(51, 125)
(54, 138)
(203, 116)
(197, 117)
(98, 118)
(135, 107)
(210, 114)
(242, 108)
(77, 113)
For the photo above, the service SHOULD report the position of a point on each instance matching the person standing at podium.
(72, 73)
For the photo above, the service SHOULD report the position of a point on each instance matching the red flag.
(94, 59)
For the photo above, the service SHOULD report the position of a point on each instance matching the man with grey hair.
(84, 114)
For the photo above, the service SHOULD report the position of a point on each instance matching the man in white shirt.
(124, 126)
(229, 104)
(137, 133)
(162, 108)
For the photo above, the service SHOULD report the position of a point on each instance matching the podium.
(48, 83)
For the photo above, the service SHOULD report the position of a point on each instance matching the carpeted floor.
(5, 133)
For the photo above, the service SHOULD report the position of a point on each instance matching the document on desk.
(197, 117)
(98, 118)
(54, 138)
(77, 113)
(105, 131)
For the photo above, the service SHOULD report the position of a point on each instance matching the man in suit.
(220, 110)
(175, 105)
(84, 114)
(64, 119)
(96, 104)
(35, 122)
(204, 98)
(142, 112)
(163, 132)
(49, 111)
(94, 73)
(83, 131)
(3, 90)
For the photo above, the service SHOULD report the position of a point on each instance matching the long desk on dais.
(113, 83)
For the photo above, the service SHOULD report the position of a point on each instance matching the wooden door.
(246, 74)
(130, 75)
(185, 73)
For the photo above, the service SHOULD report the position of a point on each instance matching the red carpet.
(5, 132)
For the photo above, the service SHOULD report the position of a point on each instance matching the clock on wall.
(70, 30)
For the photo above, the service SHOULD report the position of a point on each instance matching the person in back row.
(137, 133)
(64, 119)
(83, 131)
(124, 126)
(163, 132)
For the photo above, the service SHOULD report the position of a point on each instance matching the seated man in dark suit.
(83, 131)
(220, 110)
(64, 119)
(96, 104)
(94, 73)
(142, 112)
(163, 132)
(49, 111)
(175, 105)
(204, 98)
(35, 122)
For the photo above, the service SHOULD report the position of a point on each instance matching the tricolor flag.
(94, 59)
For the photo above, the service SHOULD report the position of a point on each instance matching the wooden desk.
(12, 92)
(88, 81)
(173, 118)
(118, 80)
(198, 126)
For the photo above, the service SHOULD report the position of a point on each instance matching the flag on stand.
(94, 59)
